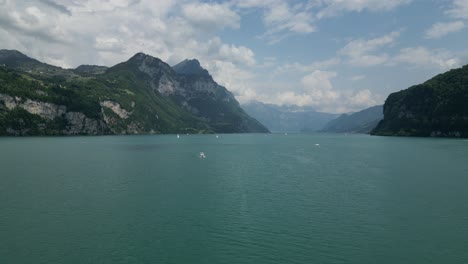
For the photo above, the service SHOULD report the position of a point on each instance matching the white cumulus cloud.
(300, 67)
(285, 18)
(336, 7)
(363, 98)
(211, 16)
(317, 90)
(425, 58)
(459, 9)
(441, 29)
(364, 52)
(281, 18)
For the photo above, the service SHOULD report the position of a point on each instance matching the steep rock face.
(43, 113)
(45, 110)
(437, 108)
(117, 109)
(162, 77)
(119, 120)
(79, 124)
(191, 67)
(360, 122)
(202, 96)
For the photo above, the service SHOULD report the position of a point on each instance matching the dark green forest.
(438, 108)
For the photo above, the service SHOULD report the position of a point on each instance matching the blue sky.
(334, 55)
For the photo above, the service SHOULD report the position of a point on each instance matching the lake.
(315, 198)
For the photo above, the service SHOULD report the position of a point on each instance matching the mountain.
(203, 97)
(436, 108)
(14, 59)
(292, 119)
(191, 68)
(141, 95)
(360, 122)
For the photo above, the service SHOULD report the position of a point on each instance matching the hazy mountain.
(141, 95)
(360, 122)
(292, 119)
(438, 107)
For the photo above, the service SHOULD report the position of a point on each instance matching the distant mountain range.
(291, 119)
(146, 95)
(437, 108)
(141, 95)
(360, 122)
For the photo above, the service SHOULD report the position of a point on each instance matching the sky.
(333, 55)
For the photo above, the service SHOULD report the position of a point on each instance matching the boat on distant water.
(202, 155)
(178, 136)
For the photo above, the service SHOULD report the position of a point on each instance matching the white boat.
(178, 136)
(202, 155)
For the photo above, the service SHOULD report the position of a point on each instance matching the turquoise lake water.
(254, 199)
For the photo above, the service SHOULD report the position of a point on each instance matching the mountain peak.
(191, 67)
(14, 58)
(140, 56)
(11, 53)
(147, 63)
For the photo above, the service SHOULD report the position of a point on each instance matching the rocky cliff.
(23, 116)
(203, 97)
